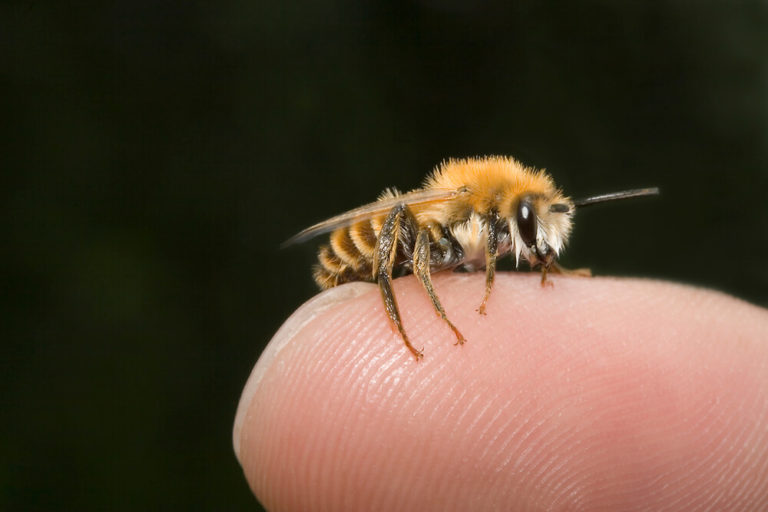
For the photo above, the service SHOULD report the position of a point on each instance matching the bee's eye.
(526, 222)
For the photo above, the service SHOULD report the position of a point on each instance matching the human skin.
(592, 394)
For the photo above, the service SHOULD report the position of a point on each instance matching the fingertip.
(284, 336)
(596, 391)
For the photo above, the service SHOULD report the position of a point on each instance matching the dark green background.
(155, 154)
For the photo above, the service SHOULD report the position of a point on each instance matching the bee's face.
(540, 227)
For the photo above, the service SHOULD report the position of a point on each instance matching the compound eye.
(526, 222)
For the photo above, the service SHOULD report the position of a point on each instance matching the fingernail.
(297, 321)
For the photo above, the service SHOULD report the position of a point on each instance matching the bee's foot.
(418, 354)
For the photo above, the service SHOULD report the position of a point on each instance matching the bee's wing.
(371, 210)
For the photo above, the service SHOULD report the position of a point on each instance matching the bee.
(469, 213)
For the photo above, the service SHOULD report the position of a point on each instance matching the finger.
(595, 394)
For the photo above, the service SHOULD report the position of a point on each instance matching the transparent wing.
(371, 210)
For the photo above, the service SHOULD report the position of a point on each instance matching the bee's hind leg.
(383, 262)
(421, 260)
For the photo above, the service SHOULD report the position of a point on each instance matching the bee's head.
(540, 227)
(540, 224)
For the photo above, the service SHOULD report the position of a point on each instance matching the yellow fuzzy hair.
(491, 182)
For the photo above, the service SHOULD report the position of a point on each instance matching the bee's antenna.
(626, 194)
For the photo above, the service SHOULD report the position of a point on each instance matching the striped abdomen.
(351, 253)
(349, 257)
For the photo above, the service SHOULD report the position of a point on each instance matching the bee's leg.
(490, 257)
(383, 262)
(421, 260)
(579, 272)
(556, 268)
(544, 282)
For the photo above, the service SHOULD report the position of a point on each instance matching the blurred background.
(155, 154)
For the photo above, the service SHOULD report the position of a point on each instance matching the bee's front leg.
(556, 268)
(544, 281)
(577, 272)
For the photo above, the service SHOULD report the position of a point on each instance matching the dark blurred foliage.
(155, 154)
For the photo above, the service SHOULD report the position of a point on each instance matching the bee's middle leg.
(491, 247)
(421, 261)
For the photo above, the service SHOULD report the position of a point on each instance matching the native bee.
(469, 213)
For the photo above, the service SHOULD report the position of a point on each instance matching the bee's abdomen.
(349, 257)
